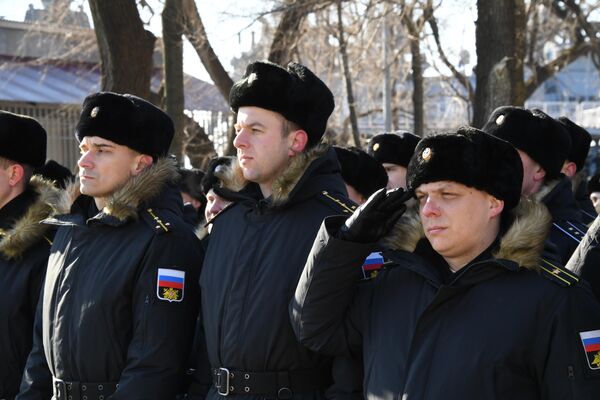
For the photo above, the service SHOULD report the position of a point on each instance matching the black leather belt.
(64, 390)
(276, 384)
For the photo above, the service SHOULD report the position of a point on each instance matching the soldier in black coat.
(466, 313)
(543, 145)
(120, 296)
(24, 243)
(259, 243)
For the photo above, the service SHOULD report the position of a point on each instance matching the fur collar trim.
(407, 231)
(28, 230)
(524, 240)
(124, 202)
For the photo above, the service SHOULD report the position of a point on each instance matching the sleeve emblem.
(170, 285)
(591, 345)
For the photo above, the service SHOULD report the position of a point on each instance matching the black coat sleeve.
(162, 330)
(321, 308)
(36, 383)
(585, 261)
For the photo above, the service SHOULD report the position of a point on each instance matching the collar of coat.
(125, 202)
(558, 197)
(232, 179)
(27, 230)
(522, 243)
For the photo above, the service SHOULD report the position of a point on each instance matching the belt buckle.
(219, 384)
(60, 389)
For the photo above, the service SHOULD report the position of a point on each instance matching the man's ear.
(540, 173)
(298, 141)
(16, 174)
(569, 169)
(496, 206)
(142, 162)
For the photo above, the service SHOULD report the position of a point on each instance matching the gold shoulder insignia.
(558, 274)
(160, 226)
(345, 207)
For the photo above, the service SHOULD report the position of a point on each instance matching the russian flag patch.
(170, 284)
(591, 346)
(372, 265)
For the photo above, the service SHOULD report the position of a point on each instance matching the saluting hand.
(372, 220)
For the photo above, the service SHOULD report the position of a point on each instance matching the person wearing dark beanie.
(123, 268)
(467, 284)
(544, 146)
(393, 151)
(26, 199)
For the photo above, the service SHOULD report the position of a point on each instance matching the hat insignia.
(94, 112)
(426, 154)
(500, 119)
(252, 77)
(376, 147)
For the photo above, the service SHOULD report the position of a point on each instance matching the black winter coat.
(24, 249)
(567, 226)
(497, 330)
(256, 252)
(110, 312)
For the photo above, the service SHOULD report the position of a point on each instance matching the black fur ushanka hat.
(393, 148)
(470, 157)
(537, 134)
(296, 93)
(361, 171)
(126, 120)
(22, 139)
(580, 142)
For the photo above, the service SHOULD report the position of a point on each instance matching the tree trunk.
(500, 42)
(196, 34)
(286, 34)
(347, 77)
(414, 40)
(172, 23)
(125, 47)
(417, 78)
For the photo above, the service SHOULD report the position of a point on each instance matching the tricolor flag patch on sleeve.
(372, 265)
(591, 346)
(170, 284)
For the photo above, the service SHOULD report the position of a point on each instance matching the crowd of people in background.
(461, 265)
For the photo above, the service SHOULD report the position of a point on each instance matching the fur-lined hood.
(125, 202)
(288, 185)
(522, 243)
(28, 230)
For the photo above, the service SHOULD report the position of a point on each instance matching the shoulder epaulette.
(558, 274)
(156, 221)
(573, 230)
(344, 206)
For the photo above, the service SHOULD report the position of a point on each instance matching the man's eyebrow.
(251, 124)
